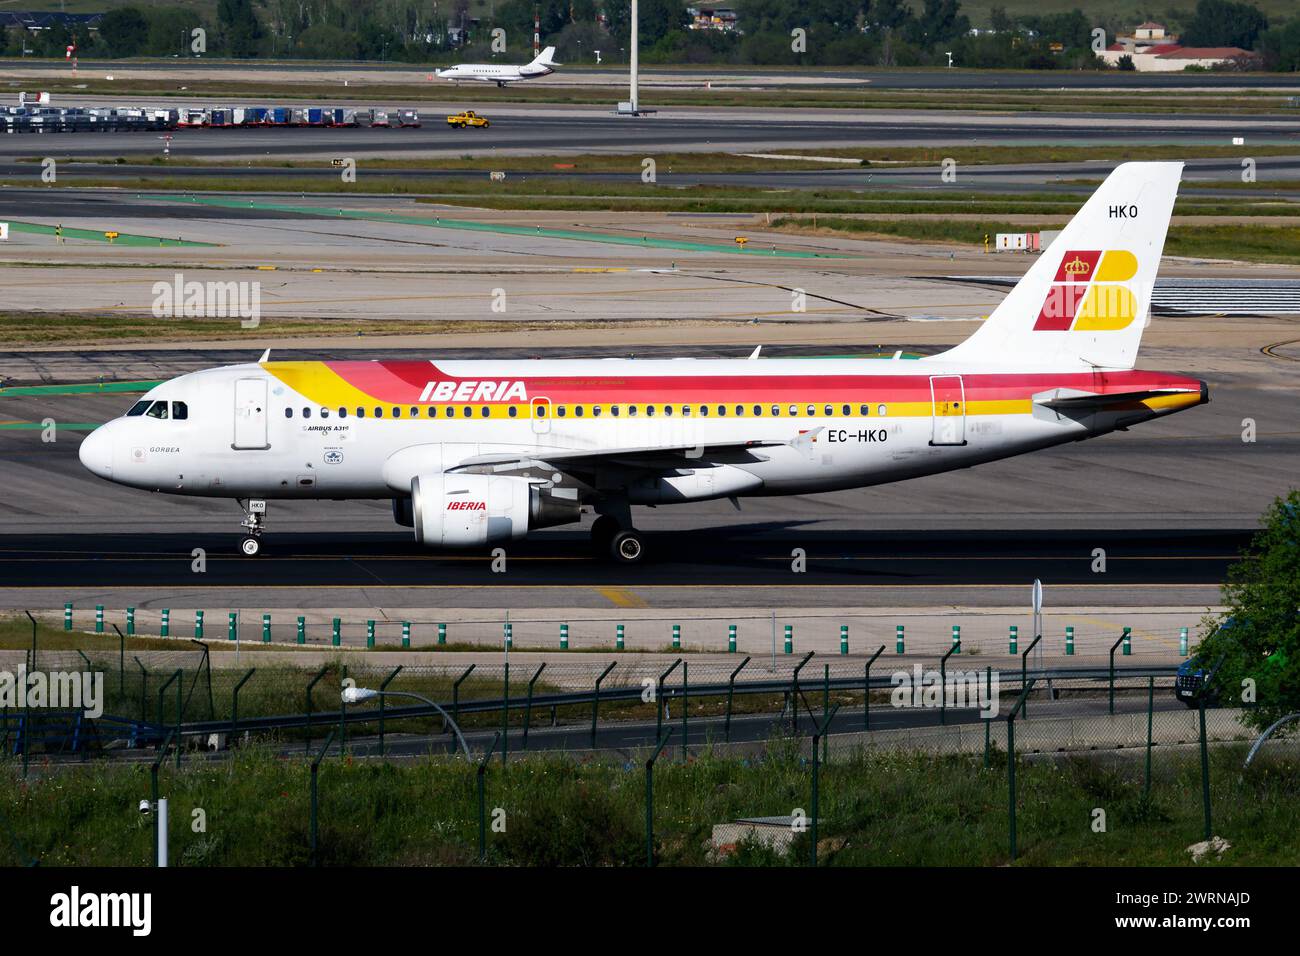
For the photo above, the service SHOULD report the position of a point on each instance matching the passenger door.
(250, 414)
(948, 405)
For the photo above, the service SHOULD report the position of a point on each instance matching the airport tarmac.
(569, 130)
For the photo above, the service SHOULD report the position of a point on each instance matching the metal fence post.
(659, 695)
(505, 709)
(595, 702)
(153, 785)
(315, 767)
(455, 693)
(686, 709)
(866, 689)
(1011, 765)
(482, 799)
(310, 684)
(819, 735)
(1024, 666)
(234, 703)
(383, 686)
(794, 692)
(1151, 706)
(1111, 676)
(988, 721)
(528, 709)
(943, 682)
(731, 690)
(650, 797)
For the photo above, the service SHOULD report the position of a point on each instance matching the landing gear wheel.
(602, 533)
(627, 547)
(251, 546)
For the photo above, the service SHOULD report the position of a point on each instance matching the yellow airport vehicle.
(468, 118)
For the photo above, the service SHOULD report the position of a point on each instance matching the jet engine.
(462, 511)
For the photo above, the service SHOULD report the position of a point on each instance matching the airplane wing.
(647, 458)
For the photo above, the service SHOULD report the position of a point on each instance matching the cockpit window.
(157, 410)
(180, 411)
(138, 408)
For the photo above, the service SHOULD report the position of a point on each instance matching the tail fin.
(1087, 299)
(545, 58)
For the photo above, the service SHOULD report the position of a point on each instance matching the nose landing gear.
(254, 514)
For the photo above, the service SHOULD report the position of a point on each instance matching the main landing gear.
(254, 515)
(609, 538)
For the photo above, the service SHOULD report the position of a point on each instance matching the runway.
(573, 130)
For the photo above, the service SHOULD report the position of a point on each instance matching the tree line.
(773, 32)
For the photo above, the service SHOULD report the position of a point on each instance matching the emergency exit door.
(948, 409)
(250, 413)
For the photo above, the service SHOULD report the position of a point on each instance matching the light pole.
(355, 695)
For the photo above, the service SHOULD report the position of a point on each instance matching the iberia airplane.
(478, 452)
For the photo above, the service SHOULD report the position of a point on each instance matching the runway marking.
(64, 588)
(621, 597)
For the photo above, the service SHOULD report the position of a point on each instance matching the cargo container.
(407, 118)
(279, 116)
(315, 116)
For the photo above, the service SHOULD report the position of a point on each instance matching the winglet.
(266, 357)
(757, 349)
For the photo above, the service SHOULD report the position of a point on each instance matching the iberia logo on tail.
(1089, 293)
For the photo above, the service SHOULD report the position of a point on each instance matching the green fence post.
(266, 628)
(1128, 641)
(455, 694)
(383, 686)
(1110, 679)
(731, 689)
(1013, 640)
(234, 704)
(564, 637)
(1151, 707)
(789, 639)
(1182, 641)
(315, 767)
(844, 638)
(1011, 765)
(677, 637)
(130, 622)
(528, 707)
(510, 635)
(898, 639)
(310, 684)
(595, 702)
(618, 637)
(99, 619)
(166, 628)
(67, 616)
(302, 629)
(406, 634)
(943, 682)
(336, 636)
(1069, 641)
(370, 633)
(866, 689)
(442, 633)
(231, 620)
(650, 798)
(956, 638)
(659, 693)
(482, 800)
(198, 625)
(731, 638)
(819, 734)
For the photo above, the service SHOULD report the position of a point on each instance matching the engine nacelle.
(464, 511)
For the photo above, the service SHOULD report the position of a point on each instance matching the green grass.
(877, 809)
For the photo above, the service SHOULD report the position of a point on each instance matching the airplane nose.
(96, 453)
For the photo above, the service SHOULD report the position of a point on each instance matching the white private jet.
(543, 65)
(478, 452)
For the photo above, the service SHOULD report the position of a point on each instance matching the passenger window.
(562, 411)
(324, 413)
(343, 412)
(139, 407)
(288, 413)
(180, 411)
(826, 409)
(578, 411)
(882, 409)
(740, 409)
(157, 410)
(631, 411)
(514, 410)
(306, 413)
(794, 409)
(468, 412)
(722, 409)
(614, 410)
(776, 409)
(361, 412)
(379, 412)
(540, 409)
(844, 410)
(668, 409)
(812, 409)
(484, 412)
(686, 411)
(864, 409)
(650, 411)
(704, 410)
(595, 411)
(397, 413)
(758, 409)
